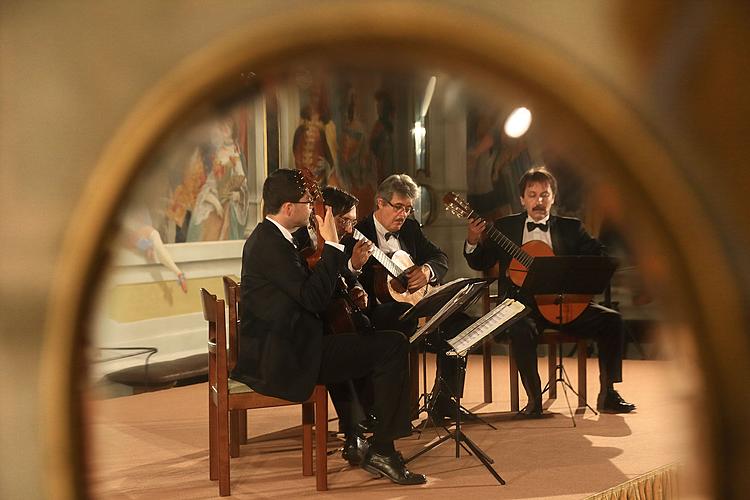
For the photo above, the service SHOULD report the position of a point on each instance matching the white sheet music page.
(443, 312)
(481, 328)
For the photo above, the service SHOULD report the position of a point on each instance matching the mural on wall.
(209, 198)
(342, 130)
(495, 163)
(345, 134)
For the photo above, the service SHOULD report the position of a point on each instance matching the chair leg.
(223, 442)
(321, 438)
(551, 372)
(308, 419)
(513, 379)
(234, 433)
(243, 426)
(213, 449)
(487, 369)
(582, 361)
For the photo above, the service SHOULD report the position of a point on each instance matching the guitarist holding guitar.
(424, 264)
(514, 241)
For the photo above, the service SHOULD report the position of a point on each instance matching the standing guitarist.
(391, 229)
(565, 236)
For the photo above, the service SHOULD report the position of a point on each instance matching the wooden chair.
(550, 337)
(553, 338)
(237, 418)
(227, 395)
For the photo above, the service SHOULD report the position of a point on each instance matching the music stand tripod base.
(462, 440)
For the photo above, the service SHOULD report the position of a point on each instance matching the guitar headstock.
(457, 205)
(311, 184)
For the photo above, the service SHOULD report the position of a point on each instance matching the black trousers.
(381, 357)
(596, 322)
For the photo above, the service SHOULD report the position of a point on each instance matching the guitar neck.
(380, 256)
(504, 242)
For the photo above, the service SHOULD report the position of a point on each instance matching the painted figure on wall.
(314, 143)
(354, 174)
(140, 236)
(495, 163)
(221, 206)
(381, 137)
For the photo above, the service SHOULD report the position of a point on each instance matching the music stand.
(503, 316)
(567, 275)
(440, 304)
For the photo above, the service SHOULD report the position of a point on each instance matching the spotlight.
(518, 122)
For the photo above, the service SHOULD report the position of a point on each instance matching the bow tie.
(530, 226)
(388, 236)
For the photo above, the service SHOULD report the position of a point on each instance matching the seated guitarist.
(566, 236)
(283, 351)
(391, 229)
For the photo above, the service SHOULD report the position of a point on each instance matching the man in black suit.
(283, 351)
(352, 399)
(390, 227)
(566, 236)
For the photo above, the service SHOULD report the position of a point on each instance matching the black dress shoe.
(611, 402)
(532, 410)
(355, 449)
(391, 466)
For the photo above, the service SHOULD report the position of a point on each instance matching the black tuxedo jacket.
(412, 241)
(568, 235)
(281, 303)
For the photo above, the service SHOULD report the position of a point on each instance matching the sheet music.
(499, 315)
(449, 307)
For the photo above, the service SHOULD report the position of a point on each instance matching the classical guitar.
(393, 283)
(313, 252)
(341, 310)
(557, 309)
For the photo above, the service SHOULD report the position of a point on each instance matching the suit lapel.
(517, 235)
(554, 231)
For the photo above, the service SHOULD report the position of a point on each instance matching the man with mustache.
(566, 236)
(391, 229)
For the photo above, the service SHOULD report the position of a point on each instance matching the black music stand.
(440, 304)
(461, 439)
(561, 276)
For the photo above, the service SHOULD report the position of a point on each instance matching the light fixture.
(518, 122)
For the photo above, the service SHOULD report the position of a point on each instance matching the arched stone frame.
(638, 161)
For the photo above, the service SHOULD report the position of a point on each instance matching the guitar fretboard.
(380, 256)
(505, 243)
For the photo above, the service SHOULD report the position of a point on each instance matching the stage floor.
(155, 445)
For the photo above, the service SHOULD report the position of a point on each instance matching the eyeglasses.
(407, 209)
(309, 203)
(346, 222)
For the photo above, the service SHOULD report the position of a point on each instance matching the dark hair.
(537, 174)
(339, 200)
(280, 187)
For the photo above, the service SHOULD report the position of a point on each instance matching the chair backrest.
(232, 297)
(213, 313)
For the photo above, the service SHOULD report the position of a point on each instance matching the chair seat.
(237, 387)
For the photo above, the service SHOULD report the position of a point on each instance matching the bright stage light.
(518, 122)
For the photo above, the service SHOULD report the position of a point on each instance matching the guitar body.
(389, 289)
(339, 316)
(549, 305)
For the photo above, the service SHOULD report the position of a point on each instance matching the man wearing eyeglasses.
(391, 229)
(283, 351)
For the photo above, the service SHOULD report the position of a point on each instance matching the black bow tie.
(530, 226)
(388, 236)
